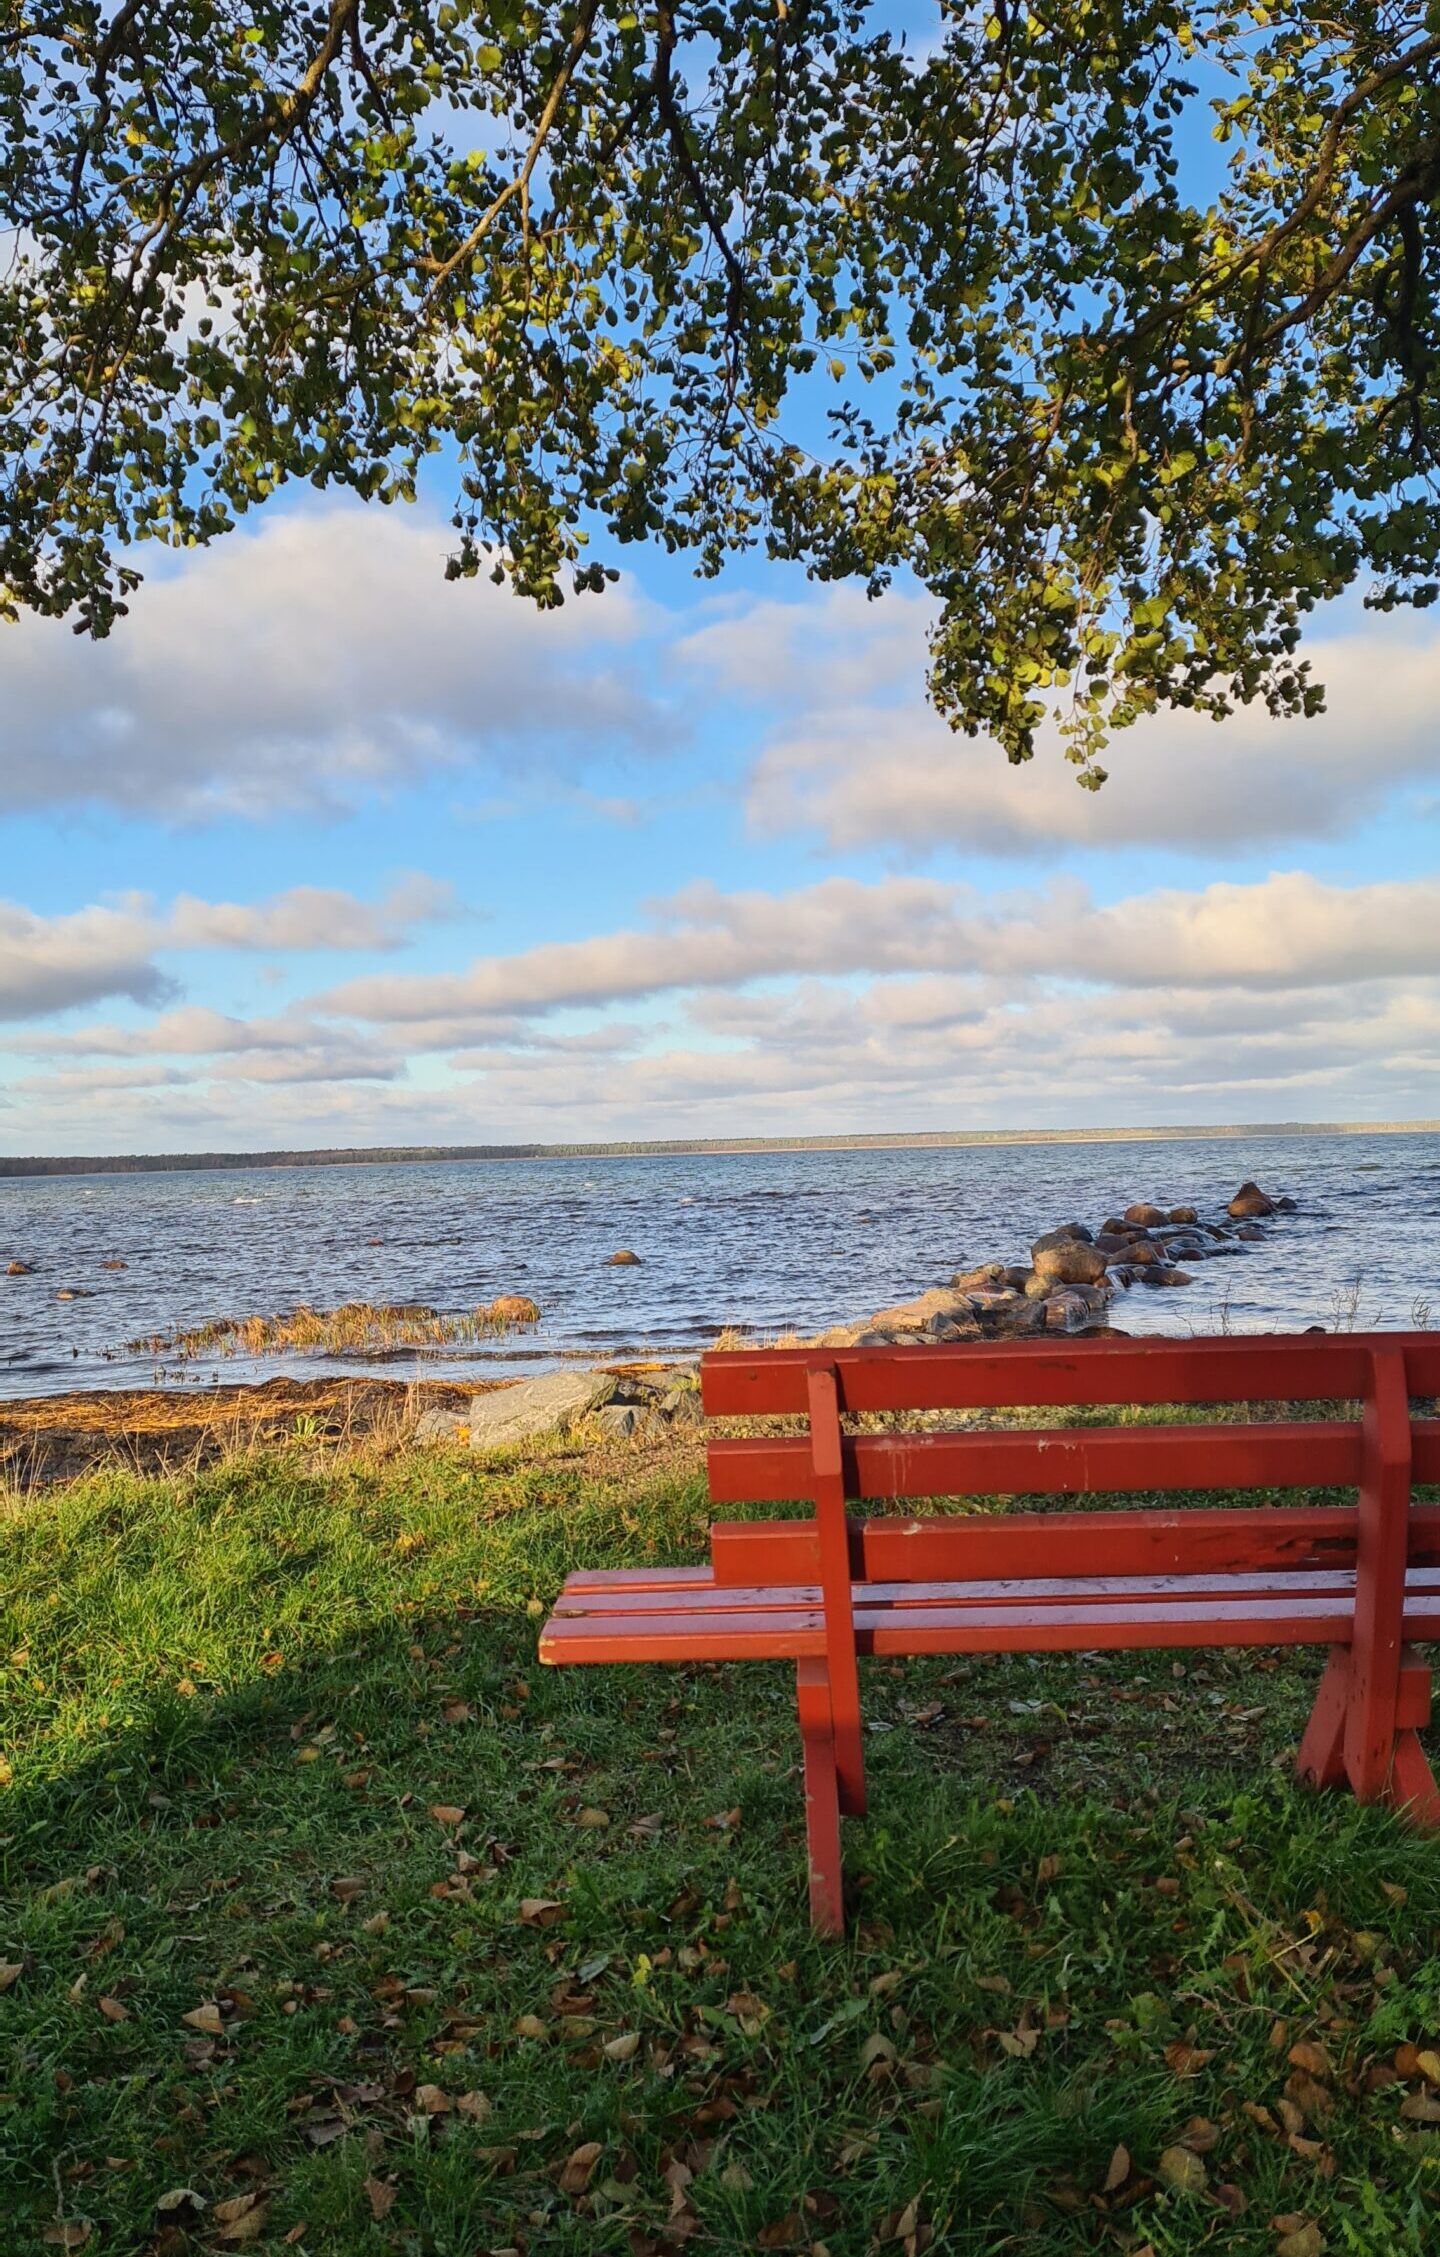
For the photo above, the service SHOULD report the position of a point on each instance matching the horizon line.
(398, 1155)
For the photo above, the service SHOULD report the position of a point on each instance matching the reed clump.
(357, 1328)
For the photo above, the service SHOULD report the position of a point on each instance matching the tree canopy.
(1114, 322)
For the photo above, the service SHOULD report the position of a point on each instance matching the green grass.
(1090, 1914)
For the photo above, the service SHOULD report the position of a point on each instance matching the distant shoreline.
(164, 1163)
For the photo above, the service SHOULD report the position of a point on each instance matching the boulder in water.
(1249, 1202)
(1143, 1214)
(1063, 1236)
(513, 1308)
(624, 1260)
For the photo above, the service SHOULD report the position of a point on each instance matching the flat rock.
(437, 1426)
(536, 1406)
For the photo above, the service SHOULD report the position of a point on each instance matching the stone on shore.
(1249, 1202)
(437, 1426)
(987, 1273)
(1069, 1261)
(1064, 1236)
(546, 1405)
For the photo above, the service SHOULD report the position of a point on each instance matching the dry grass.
(357, 1328)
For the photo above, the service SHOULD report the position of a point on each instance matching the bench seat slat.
(1115, 1591)
(773, 1633)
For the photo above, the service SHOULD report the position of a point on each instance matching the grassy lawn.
(329, 1921)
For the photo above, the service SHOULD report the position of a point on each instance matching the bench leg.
(1404, 1779)
(1321, 1760)
(822, 1798)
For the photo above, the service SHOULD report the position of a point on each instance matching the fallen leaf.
(180, 2198)
(1313, 2059)
(541, 1912)
(1181, 2170)
(242, 2218)
(323, 2131)
(476, 2105)
(347, 1887)
(207, 2018)
(380, 2194)
(876, 2048)
(785, 2233)
(112, 2010)
(1188, 2060)
(69, 2233)
(594, 1820)
(432, 2100)
(1119, 2170)
(10, 1972)
(1421, 2108)
(736, 2179)
(1305, 2241)
(446, 1813)
(623, 2048)
(1428, 2064)
(576, 2170)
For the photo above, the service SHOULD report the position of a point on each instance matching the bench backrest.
(827, 1467)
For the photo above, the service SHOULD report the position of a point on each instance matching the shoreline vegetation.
(900, 1140)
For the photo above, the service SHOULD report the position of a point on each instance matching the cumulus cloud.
(50, 964)
(867, 762)
(310, 917)
(53, 963)
(906, 1001)
(1287, 930)
(306, 662)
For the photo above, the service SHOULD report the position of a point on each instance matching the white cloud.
(53, 963)
(907, 1002)
(1286, 930)
(303, 663)
(310, 917)
(865, 762)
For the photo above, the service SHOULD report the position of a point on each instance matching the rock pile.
(1072, 1276)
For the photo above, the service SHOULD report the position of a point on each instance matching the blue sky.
(319, 849)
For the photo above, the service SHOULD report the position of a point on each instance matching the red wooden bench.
(1362, 1579)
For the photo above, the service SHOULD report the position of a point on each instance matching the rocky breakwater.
(1073, 1276)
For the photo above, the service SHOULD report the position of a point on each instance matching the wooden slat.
(1053, 1462)
(1119, 1591)
(1302, 1367)
(776, 1634)
(1103, 1543)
